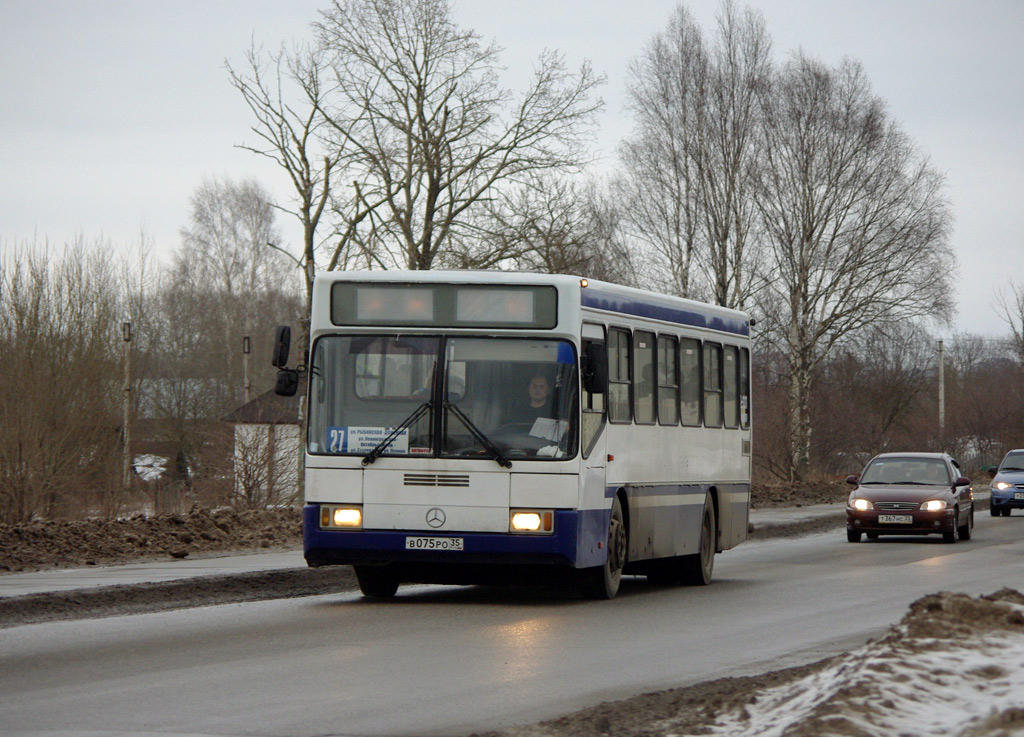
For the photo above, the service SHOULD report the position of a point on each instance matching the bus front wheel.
(376, 582)
(602, 582)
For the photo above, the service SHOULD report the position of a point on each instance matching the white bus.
(477, 427)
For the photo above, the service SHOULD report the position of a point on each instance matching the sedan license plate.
(895, 519)
(1018, 495)
(433, 543)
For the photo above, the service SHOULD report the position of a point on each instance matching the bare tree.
(225, 251)
(1012, 308)
(225, 283)
(688, 164)
(870, 394)
(727, 151)
(854, 218)
(290, 133)
(428, 132)
(553, 225)
(59, 408)
(660, 183)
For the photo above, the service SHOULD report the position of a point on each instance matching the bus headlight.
(349, 517)
(539, 521)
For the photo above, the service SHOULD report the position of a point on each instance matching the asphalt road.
(451, 661)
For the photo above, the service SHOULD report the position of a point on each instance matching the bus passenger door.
(593, 443)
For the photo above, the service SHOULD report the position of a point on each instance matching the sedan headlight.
(862, 505)
(935, 505)
(1002, 486)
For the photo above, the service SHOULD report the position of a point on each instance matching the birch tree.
(855, 220)
(695, 102)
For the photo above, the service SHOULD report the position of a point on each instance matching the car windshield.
(466, 397)
(1012, 462)
(916, 471)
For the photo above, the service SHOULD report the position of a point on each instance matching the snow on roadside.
(953, 666)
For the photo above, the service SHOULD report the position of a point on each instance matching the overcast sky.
(115, 111)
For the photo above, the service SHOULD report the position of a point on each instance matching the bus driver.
(537, 404)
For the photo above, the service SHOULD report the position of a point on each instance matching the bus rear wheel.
(696, 569)
(602, 582)
(376, 582)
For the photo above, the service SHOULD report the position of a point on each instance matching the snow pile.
(953, 666)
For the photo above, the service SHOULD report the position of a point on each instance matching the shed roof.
(268, 409)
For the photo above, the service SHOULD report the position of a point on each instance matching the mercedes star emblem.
(435, 517)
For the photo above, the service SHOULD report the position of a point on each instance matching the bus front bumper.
(562, 547)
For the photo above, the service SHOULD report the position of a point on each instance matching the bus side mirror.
(282, 345)
(287, 383)
(594, 366)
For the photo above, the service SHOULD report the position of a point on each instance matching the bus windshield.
(464, 397)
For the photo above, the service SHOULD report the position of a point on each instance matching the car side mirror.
(962, 481)
(282, 346)
(853, 478)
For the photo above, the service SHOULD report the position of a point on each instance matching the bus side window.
(668, 380)
(730, 386)
(744, 388)
(644, 379)
(690, 381)
(618, 376)
(712, 385)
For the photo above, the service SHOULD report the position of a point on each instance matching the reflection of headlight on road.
(1001, 485)
(935, 505)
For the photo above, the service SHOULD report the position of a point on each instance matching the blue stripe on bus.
(628, 306)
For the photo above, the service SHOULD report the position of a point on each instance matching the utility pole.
(245, 368)
(942, 396)
(126, 465)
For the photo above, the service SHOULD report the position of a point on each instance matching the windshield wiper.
(479, 436)
(404, 424)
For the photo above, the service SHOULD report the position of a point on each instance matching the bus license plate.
(895, 519)
(433, 543)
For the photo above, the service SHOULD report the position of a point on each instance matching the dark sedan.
(910, 494)
(1008, 484)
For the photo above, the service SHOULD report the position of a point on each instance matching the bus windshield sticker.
(365, 439)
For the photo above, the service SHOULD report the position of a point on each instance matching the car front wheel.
(968, 528)
(852, 536)
(953, 534)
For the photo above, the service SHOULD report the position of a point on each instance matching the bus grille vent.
(436, 479)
